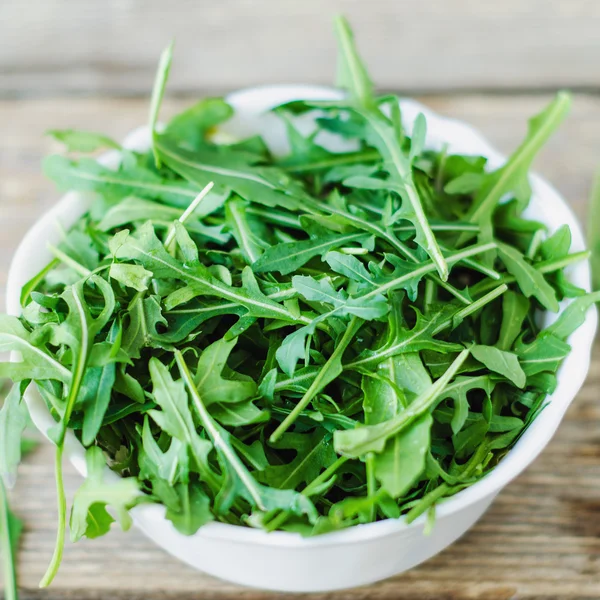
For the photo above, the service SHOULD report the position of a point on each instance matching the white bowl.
(365, 553)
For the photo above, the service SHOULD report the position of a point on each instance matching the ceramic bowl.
(365, 553)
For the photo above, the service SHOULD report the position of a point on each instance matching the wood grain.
(540, 540)
(112, 47)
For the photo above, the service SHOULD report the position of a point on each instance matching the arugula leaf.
(89, 516)
(82, 141)
(175, 417)
(194, 511)
(530, 280)
(513, 177)
(382, 136)
(193, 124)
(359, 441)
(290, 256)
(10, 532)
(500, 361)
(314, 452)
(13, 420)
(515, 309)
(239, 480)
(160, 82)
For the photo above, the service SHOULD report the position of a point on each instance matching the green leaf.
(366, 308)
(133, 276)
(211, 384)
(160, 82)
(290, 256)
(88, 175)
(593, 231)
(251, 246)
(402, 461)
(232, 171)
(10, 533)
(458, 391)
(193, 124)
(89, 516)
(175, 416)
(513, 176)
(515, 309)
(239, 481)
(500, 361)
(352, 75)
(82, 141)
(137, 210)
(349, 266)
(572, 317)
(194, 511)
(314, 453)
(382, 135)
(13, 420)
(358, 442)
(546, 353)
(148, 250)
(36, 362)
(530, 280)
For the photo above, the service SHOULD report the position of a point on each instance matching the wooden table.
(540, 540)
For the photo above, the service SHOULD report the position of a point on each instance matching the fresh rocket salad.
(300, 342)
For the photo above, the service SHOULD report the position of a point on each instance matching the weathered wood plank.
(541, 539)
(99, 47)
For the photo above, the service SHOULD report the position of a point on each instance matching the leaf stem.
(70, 262)
(62, 520)
(10, 575)
(428, 268)
(319, 381)
(474, 307)
(187, 213)
(329, 472)
(371, 483)
(213, 430)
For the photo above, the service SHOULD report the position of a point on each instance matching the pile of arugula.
(304, 342)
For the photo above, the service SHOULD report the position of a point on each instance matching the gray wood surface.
(540, 540)
(100, 46)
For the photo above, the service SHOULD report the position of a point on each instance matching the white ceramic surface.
(366, 553)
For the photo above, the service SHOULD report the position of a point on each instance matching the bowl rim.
(258, 100)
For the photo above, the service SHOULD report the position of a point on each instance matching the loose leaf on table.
(11, 528)
(13, 420)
